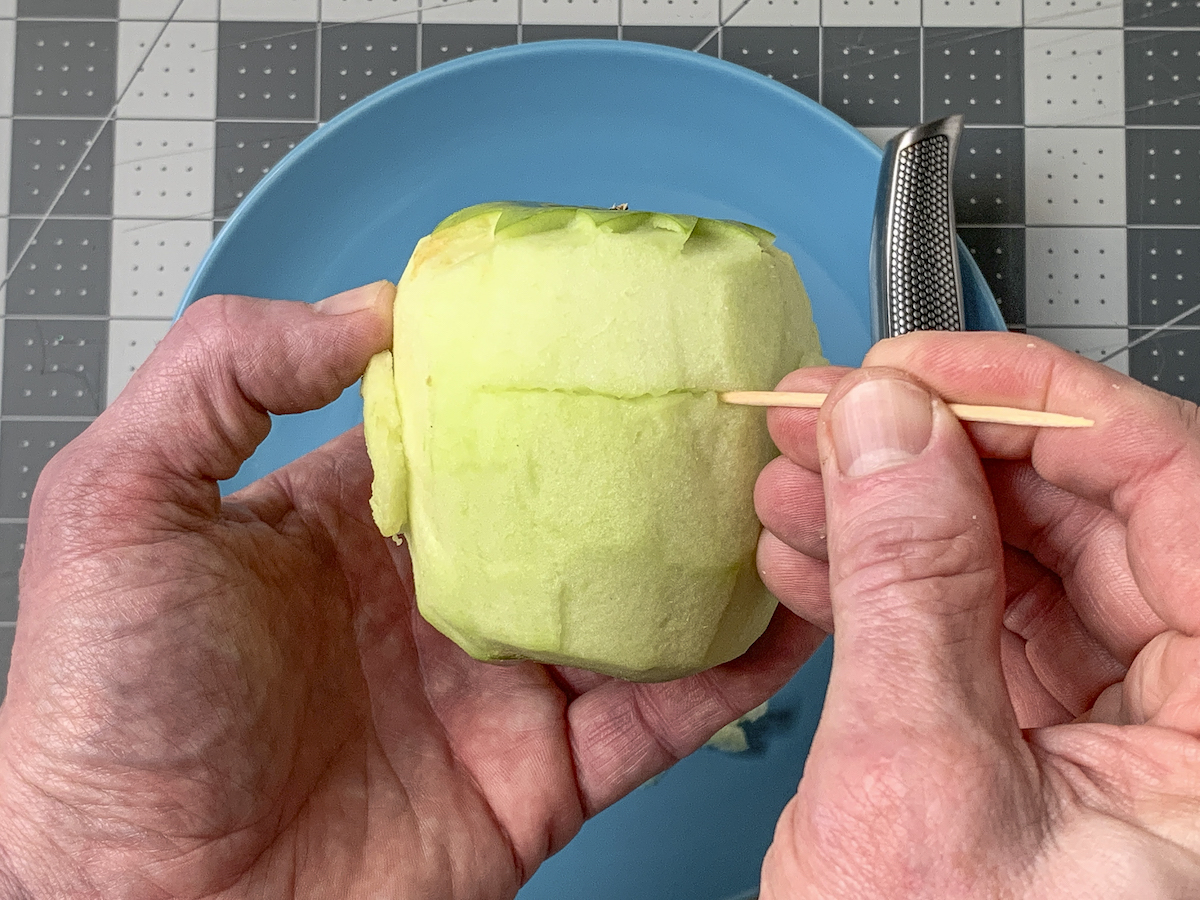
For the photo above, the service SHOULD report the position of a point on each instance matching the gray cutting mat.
(132, 129)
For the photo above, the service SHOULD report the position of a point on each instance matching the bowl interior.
(597, 123)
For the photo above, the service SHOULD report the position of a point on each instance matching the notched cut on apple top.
(515, 219)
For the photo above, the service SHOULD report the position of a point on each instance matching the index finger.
(199, 407)
(1141, 459)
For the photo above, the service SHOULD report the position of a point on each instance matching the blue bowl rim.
(610, 49)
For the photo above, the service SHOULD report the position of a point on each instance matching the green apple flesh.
(547, 432)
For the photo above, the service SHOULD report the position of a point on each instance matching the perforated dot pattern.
(922, 288)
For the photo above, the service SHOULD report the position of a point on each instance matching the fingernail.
(355, 300)
(880, 424)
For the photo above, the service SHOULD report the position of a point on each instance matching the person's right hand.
(1014, 708)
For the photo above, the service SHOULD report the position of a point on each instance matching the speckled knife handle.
(916, 284)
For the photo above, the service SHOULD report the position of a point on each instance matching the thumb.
(918, 782)
(198, 407)
(915, 564)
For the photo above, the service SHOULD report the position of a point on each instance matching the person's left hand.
(236, 697)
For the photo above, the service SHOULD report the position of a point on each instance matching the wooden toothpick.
(1001, 415)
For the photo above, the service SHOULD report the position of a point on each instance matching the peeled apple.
(546, 432)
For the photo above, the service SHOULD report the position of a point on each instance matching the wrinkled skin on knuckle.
(76, 509)
(1189, 415)
(934, 558)
(198, 347)
(97, 494)
(102, 487)
(207, 312)
(202, 358)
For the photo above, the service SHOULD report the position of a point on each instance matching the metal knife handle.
(916, 283)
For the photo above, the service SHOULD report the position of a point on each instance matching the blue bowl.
(595, 123)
